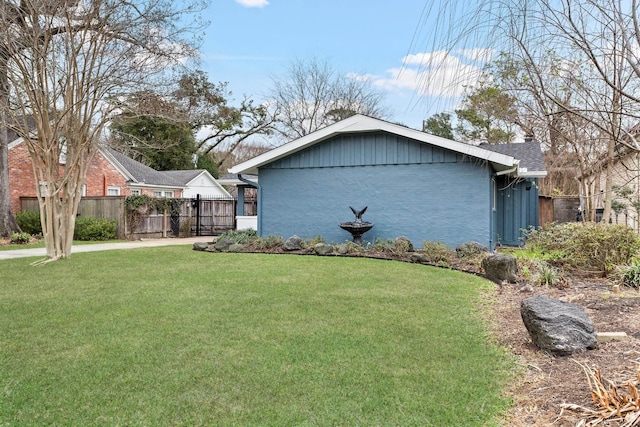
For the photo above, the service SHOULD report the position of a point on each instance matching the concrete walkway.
(146, 243)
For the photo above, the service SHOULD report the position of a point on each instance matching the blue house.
(414, 184)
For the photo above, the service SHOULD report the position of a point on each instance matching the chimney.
(528, 138)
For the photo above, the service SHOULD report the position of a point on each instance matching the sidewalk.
(146, 243)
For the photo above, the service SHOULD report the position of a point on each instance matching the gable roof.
(138, 172)
(359, 124)
(187, 177)
(530, 156)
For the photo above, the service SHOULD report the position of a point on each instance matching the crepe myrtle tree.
(59, 62)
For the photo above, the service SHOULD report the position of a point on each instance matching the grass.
(170, 336)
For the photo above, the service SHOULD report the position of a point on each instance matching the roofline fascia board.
(532, 174)
(145, 185)
(359, 123)
(15, 143)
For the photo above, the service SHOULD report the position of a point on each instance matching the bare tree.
(577, 69)
(313, 95)
(62, 61)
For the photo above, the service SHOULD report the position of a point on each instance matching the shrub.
(95, 229)
(630, 274)
(547, 274)
(20, 238)
(270, 242)
(590, 247)
(437, 252)
(242, 237)
(29, 222)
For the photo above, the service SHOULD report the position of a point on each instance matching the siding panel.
(422, 202)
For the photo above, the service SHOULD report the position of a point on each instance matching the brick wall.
(101, 174)
(21, 180)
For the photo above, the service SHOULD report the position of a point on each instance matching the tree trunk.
(8, 222)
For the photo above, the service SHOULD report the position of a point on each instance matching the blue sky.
(250, 41)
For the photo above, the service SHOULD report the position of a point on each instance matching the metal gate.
(213, 216)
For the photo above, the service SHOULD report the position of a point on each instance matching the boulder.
(500, 267)
(293, 243)
(323, 249)
(222, 245)
(343, 249)
(470, 249)
(200, 246)
(236, 247)
(404, 243)
(556, 326)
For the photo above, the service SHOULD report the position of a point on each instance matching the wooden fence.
(200, 216)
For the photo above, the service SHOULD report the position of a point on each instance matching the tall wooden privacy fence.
(199, 216)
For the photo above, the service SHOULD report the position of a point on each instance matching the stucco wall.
(448, 202)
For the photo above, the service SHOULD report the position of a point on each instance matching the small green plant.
(438, 253)
(267, 243)
(20, 238)
(29, 222)
(630, 274)
(547, 274)
(309, 243)
(242, 237)
(94, 229)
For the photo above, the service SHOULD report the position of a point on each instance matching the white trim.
(360, 123)
(212, 179)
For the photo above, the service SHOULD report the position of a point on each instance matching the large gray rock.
(223, 245)
(404, 243)
(471, 249)
(500, 267)
(557, 326)
(200, 246)
(323, 249)
(293, 243)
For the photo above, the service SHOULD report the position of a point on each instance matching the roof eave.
(360, 123)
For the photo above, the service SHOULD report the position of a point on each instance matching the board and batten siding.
(410, 188)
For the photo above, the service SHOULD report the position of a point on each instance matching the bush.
(95, 229)
(547, 274)
(592, 247)
(242, 237)
(29, 222)
(630, 274)
(20, 238)
(437, 252)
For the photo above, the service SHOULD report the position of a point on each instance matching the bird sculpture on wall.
(358, 213)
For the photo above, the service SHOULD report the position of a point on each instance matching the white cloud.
(440, 74)
(253, 3)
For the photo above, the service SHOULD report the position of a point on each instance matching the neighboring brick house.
(109, 174)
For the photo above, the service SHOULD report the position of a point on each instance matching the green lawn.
(170, 336)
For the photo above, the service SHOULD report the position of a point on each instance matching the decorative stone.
(343, 249)
(557, 326)
(404, 242)
(612, 336)
(470, 249)
(200, 246)
(222, 245)
(500, 267)
(323, 249)
(293, 243)
(236, 247)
